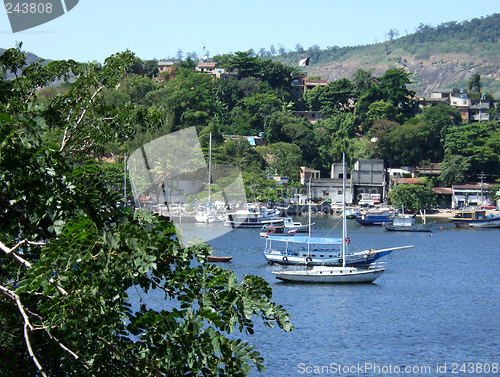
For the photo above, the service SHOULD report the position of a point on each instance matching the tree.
(245, 64)
(186, 100)
(479, 142)
(414, 197)
(394, 84)
(78, 116)
(137, 87)
(284, 157)
(336, 96)
(474, 83)
(68, 257)
(362, 79)
(455, 169)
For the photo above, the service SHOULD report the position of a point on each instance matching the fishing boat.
(326, 274)
(254, 216)
(376, 217)
(475, 218)
(407, 223)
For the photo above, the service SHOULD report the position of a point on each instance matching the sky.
(157, 29)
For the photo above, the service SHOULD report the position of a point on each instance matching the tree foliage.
(69, 256)
(412, 197)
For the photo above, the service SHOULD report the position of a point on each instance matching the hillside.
(445, 56)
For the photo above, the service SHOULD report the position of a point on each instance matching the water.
(435, 308)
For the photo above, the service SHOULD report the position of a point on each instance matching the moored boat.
(215, 258)
(327, 274)
(475, 218)
(255, 216)
(319, 251)
(322, 274)
(277, 230)
(407, 223)
(376, 217)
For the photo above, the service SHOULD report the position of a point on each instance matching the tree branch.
(66, 141)
(11, 252)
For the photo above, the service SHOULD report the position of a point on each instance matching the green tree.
(362, 79)
(137, 87)
(69, 256)
(185, 101)
(479, 142)
(337, 96)
(284, 157)
(455, 169)
(408, 144)
(414, 197)
(474, 83)
(258, 108)
(242, 62)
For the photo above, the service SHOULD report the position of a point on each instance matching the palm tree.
(475, 82)
(362, 79)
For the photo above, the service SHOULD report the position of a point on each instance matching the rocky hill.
(439, 57)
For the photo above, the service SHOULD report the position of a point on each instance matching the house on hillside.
(164, 68)
(367, 177)
(311, 115)
(210, 68)
(471, 194)
(472, 110)
(301, 84)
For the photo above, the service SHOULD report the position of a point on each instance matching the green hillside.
(439, 57)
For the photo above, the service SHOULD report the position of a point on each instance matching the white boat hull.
(330, 275)
(486, 224)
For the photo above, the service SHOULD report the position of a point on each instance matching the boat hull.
(335, 275)
(379, 220)
(486, 224)
(245, 223)
(408, 228)
(216, 259)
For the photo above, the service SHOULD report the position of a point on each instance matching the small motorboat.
(216, 259)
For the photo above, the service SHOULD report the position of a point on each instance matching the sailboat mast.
(309, 215)
(309, 207)
(210, 170)
(344, 223)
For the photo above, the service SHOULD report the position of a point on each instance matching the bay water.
(434, 312)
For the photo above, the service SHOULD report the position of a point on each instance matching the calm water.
(435, 308)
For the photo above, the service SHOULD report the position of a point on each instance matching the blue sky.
(95, 29)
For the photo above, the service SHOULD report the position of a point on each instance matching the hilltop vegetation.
(444, 56)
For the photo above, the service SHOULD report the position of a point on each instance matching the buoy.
(441, 228)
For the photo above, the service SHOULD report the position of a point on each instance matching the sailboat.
(327, 274)
(319, 251)
(208, 214)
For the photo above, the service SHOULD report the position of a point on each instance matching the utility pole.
(482, 176)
